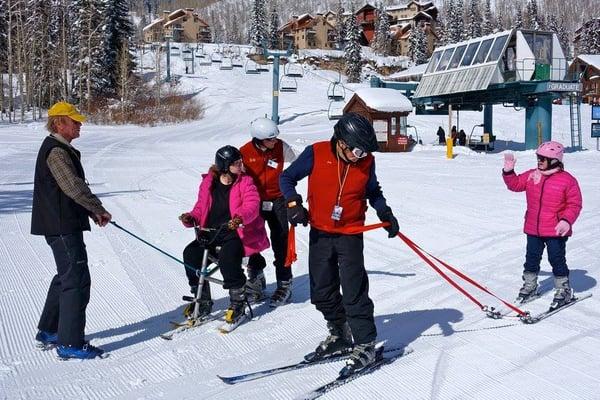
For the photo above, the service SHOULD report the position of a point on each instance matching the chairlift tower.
(276, 54)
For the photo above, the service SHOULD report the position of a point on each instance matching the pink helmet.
(551, 150)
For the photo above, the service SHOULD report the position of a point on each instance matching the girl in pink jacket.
(228, 211)
(553, 205)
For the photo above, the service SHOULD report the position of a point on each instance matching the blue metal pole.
(275, 111)
(538, 122)
(488, 116)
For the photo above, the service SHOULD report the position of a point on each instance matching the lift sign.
(596, 130)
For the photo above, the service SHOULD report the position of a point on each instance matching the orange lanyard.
(341, 182)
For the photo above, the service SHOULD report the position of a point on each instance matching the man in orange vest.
(263, 158)
(341, 177)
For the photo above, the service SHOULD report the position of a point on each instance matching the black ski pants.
(230, 262)
(336, 261)
(69, 292)
(278, 226)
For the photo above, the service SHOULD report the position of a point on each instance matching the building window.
(381, 129)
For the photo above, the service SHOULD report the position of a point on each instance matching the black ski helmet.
(356, 131)
(226, 156)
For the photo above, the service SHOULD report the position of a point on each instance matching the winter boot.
(282, 295)
(255, 286)
(87, 351)
(362, 356)
(563, 293)
(529, 288)
(46, 340)
(338, 342)
(236, 312)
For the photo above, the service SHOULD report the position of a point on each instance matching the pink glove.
(509, 162)
(562, 228)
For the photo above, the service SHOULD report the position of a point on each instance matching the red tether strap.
(416, 248)
(352, 230)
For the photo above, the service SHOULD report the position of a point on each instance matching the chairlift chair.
(226, 64)
(251, 67)
(237, 62)
(293, 70)
(335, 110)
(262, 67)
(216, 57)
(336, 91)
(288, 84)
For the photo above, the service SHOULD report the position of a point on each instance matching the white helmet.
(263, 128)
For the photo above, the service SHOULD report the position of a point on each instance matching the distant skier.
(264, 157)
(441, 134)
(62, 204)
(553, 205)
(341, 177)
(228, 203)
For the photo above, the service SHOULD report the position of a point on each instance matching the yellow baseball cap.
(66, 109)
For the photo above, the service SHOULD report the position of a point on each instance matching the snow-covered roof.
(415, 71)
(405, 6)
(153, 23)
(590, 59)
(384, 99)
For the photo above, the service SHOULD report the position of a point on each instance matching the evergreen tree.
(475, 20)
(441, 32)
(488, 25)
(273, 35)
(418, 45)
(455, 21)
(353, 50)
(340, 27)
(117, 31)
(258, 31)
(554, 26)
(382, 42)
(518, 22)
(500, 23)
(533, 19)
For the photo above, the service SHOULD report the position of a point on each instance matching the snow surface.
(458, 209)
(591, 59)
(385, 100)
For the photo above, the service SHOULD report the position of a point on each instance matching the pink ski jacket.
(244, 202)
(553, 198)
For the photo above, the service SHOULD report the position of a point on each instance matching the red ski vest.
(329, 178)
(266, 177)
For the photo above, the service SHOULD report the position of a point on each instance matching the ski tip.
(226, 379)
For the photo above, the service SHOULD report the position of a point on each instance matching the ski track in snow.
(459, 210)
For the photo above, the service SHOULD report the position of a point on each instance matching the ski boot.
(87, 351)
(282, 295)
(563, 293)
(255, 286)
(236, 313)
(205, 303)
(46, 340)
(337, 343)
(362, 356)
(529, 289)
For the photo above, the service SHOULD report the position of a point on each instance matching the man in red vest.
(263, 158)
(341, 177)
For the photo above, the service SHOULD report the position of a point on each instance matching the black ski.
(382, 361)
(539, 317)
(232, 380)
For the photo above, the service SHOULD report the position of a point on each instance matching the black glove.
(386, 215)
(296, 213)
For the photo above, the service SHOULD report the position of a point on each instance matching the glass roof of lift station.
(464, 66)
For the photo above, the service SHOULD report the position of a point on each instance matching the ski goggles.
(358, 153)
(543, 158)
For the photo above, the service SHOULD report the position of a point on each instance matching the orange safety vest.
(332, 178)
(266, 177)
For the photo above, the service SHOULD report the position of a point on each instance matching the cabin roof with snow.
(380, 100)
